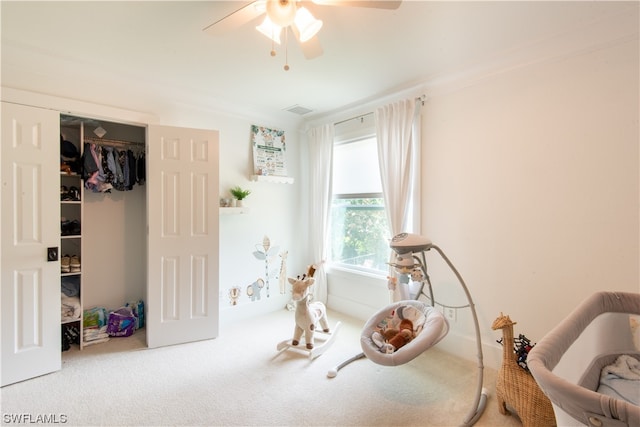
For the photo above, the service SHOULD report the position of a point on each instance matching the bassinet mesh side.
(572, 400)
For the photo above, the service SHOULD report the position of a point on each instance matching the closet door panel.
(170, 289)
(200, 290)
(170, 213)
(183, 235)
(30, 224)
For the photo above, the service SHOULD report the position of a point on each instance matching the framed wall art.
(269, 150)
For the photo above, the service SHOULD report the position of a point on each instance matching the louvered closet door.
(30, 221)
(183, 207)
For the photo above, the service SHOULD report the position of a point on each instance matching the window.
(358, 226)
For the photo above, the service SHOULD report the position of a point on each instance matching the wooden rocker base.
(317, 350)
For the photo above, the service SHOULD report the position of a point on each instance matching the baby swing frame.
(417, 246)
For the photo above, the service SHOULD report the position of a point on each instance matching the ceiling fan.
(289, 16)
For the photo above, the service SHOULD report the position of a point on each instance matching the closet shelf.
(72, 236)
(273, 178)
(71, 274)
(234, 211)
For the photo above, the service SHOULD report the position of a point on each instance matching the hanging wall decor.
(268, 151)
(282, 276)
(264, 252)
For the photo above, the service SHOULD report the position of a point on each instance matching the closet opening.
(111, 250)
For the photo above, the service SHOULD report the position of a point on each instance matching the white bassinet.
(568, 361)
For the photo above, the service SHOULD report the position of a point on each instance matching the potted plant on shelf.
(239, 194)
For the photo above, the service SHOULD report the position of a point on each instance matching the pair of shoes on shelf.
(69, 194)
(65, 168)
(70, 228)
(70, 335)
(70, 264)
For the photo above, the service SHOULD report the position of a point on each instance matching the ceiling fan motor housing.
(281, 12)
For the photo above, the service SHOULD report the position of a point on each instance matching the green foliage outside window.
(359, 233)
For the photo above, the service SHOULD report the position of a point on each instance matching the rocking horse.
(309, 317)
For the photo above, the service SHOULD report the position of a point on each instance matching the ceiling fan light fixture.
(307, 25)
(269, 29)
(281, 12)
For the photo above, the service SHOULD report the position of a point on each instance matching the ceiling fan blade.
(376, 4)
(234, 19)
(311, 48)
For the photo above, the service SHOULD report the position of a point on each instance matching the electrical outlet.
(450, 313)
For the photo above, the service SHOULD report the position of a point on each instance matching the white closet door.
(30, 224)
(183, 208)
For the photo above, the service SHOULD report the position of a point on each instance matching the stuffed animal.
(401, 326)
(397, 338)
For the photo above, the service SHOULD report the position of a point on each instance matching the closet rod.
(112, 142)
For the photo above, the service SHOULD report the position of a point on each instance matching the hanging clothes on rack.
(141, 169)
(111, 165)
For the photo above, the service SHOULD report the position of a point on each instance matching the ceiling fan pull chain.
(286, 49)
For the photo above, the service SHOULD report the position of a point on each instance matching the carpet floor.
(240, 379)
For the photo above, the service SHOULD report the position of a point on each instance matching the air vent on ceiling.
(297, 109)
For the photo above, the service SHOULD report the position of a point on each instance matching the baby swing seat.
(430, 329)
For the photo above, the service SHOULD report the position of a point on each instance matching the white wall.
(530, 184)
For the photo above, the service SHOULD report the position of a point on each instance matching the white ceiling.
(138, 55)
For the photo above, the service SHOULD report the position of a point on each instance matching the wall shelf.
(272, 178)
(234, 211)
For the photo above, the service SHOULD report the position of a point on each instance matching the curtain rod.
(420, 99)
(361, 117)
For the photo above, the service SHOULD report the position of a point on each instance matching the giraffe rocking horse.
(309, 316)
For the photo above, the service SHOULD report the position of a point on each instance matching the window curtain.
(320, 176)
(397, 131)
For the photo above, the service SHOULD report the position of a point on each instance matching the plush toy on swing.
(309, 316)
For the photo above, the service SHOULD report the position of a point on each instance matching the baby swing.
(431, 325)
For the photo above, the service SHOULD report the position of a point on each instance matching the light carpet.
(240, 379)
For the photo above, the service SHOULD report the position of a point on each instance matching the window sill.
(339, 270)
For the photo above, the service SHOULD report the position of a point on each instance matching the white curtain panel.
(395, 134)
(320, 177)
(394, 129)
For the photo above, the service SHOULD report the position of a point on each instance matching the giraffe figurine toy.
(516, 387)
